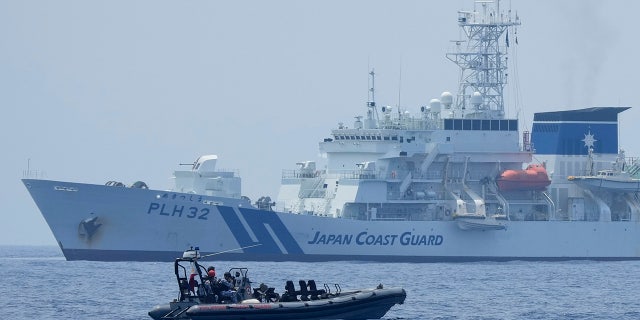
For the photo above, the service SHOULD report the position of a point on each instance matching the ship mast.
(372, 114)
(484, 60)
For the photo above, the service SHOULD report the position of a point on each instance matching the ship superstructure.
(438, 164)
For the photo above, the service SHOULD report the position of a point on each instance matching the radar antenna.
(484, 60)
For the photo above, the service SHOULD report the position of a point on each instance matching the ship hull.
(96, 222)
(596, 183)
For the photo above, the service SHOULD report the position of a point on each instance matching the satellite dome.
(476, 99)
(447, 99)
(435, 105)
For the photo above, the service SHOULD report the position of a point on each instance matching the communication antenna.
(399, 86)
(483, 63)
(371, 104)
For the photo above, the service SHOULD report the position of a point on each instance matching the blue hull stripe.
(257, 219)
(236, 227)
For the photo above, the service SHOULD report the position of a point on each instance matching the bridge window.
(448, 124)
(457, 124)
(476, 125)
(504, 125)
(484, 125)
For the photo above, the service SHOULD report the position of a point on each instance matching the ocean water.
(37, 283)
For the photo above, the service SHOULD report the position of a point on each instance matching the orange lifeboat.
(534, 177)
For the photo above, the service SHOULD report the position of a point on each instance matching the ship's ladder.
(328, 199)
(406, 182)
(429, 159)
(327, 205)
(311, 190)
(307, 190)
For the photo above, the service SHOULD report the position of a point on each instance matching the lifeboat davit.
(534, 177)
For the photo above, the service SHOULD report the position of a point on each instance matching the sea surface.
(37, 283)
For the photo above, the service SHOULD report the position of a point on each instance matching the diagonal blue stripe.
(257, 220)
(236, 227)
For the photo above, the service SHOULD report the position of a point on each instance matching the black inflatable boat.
(202, 296)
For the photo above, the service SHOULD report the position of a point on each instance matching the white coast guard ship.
(455, 181)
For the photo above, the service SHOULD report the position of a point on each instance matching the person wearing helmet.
(211, 273)
(210, 282)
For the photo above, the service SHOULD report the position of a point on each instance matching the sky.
(92, 91)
